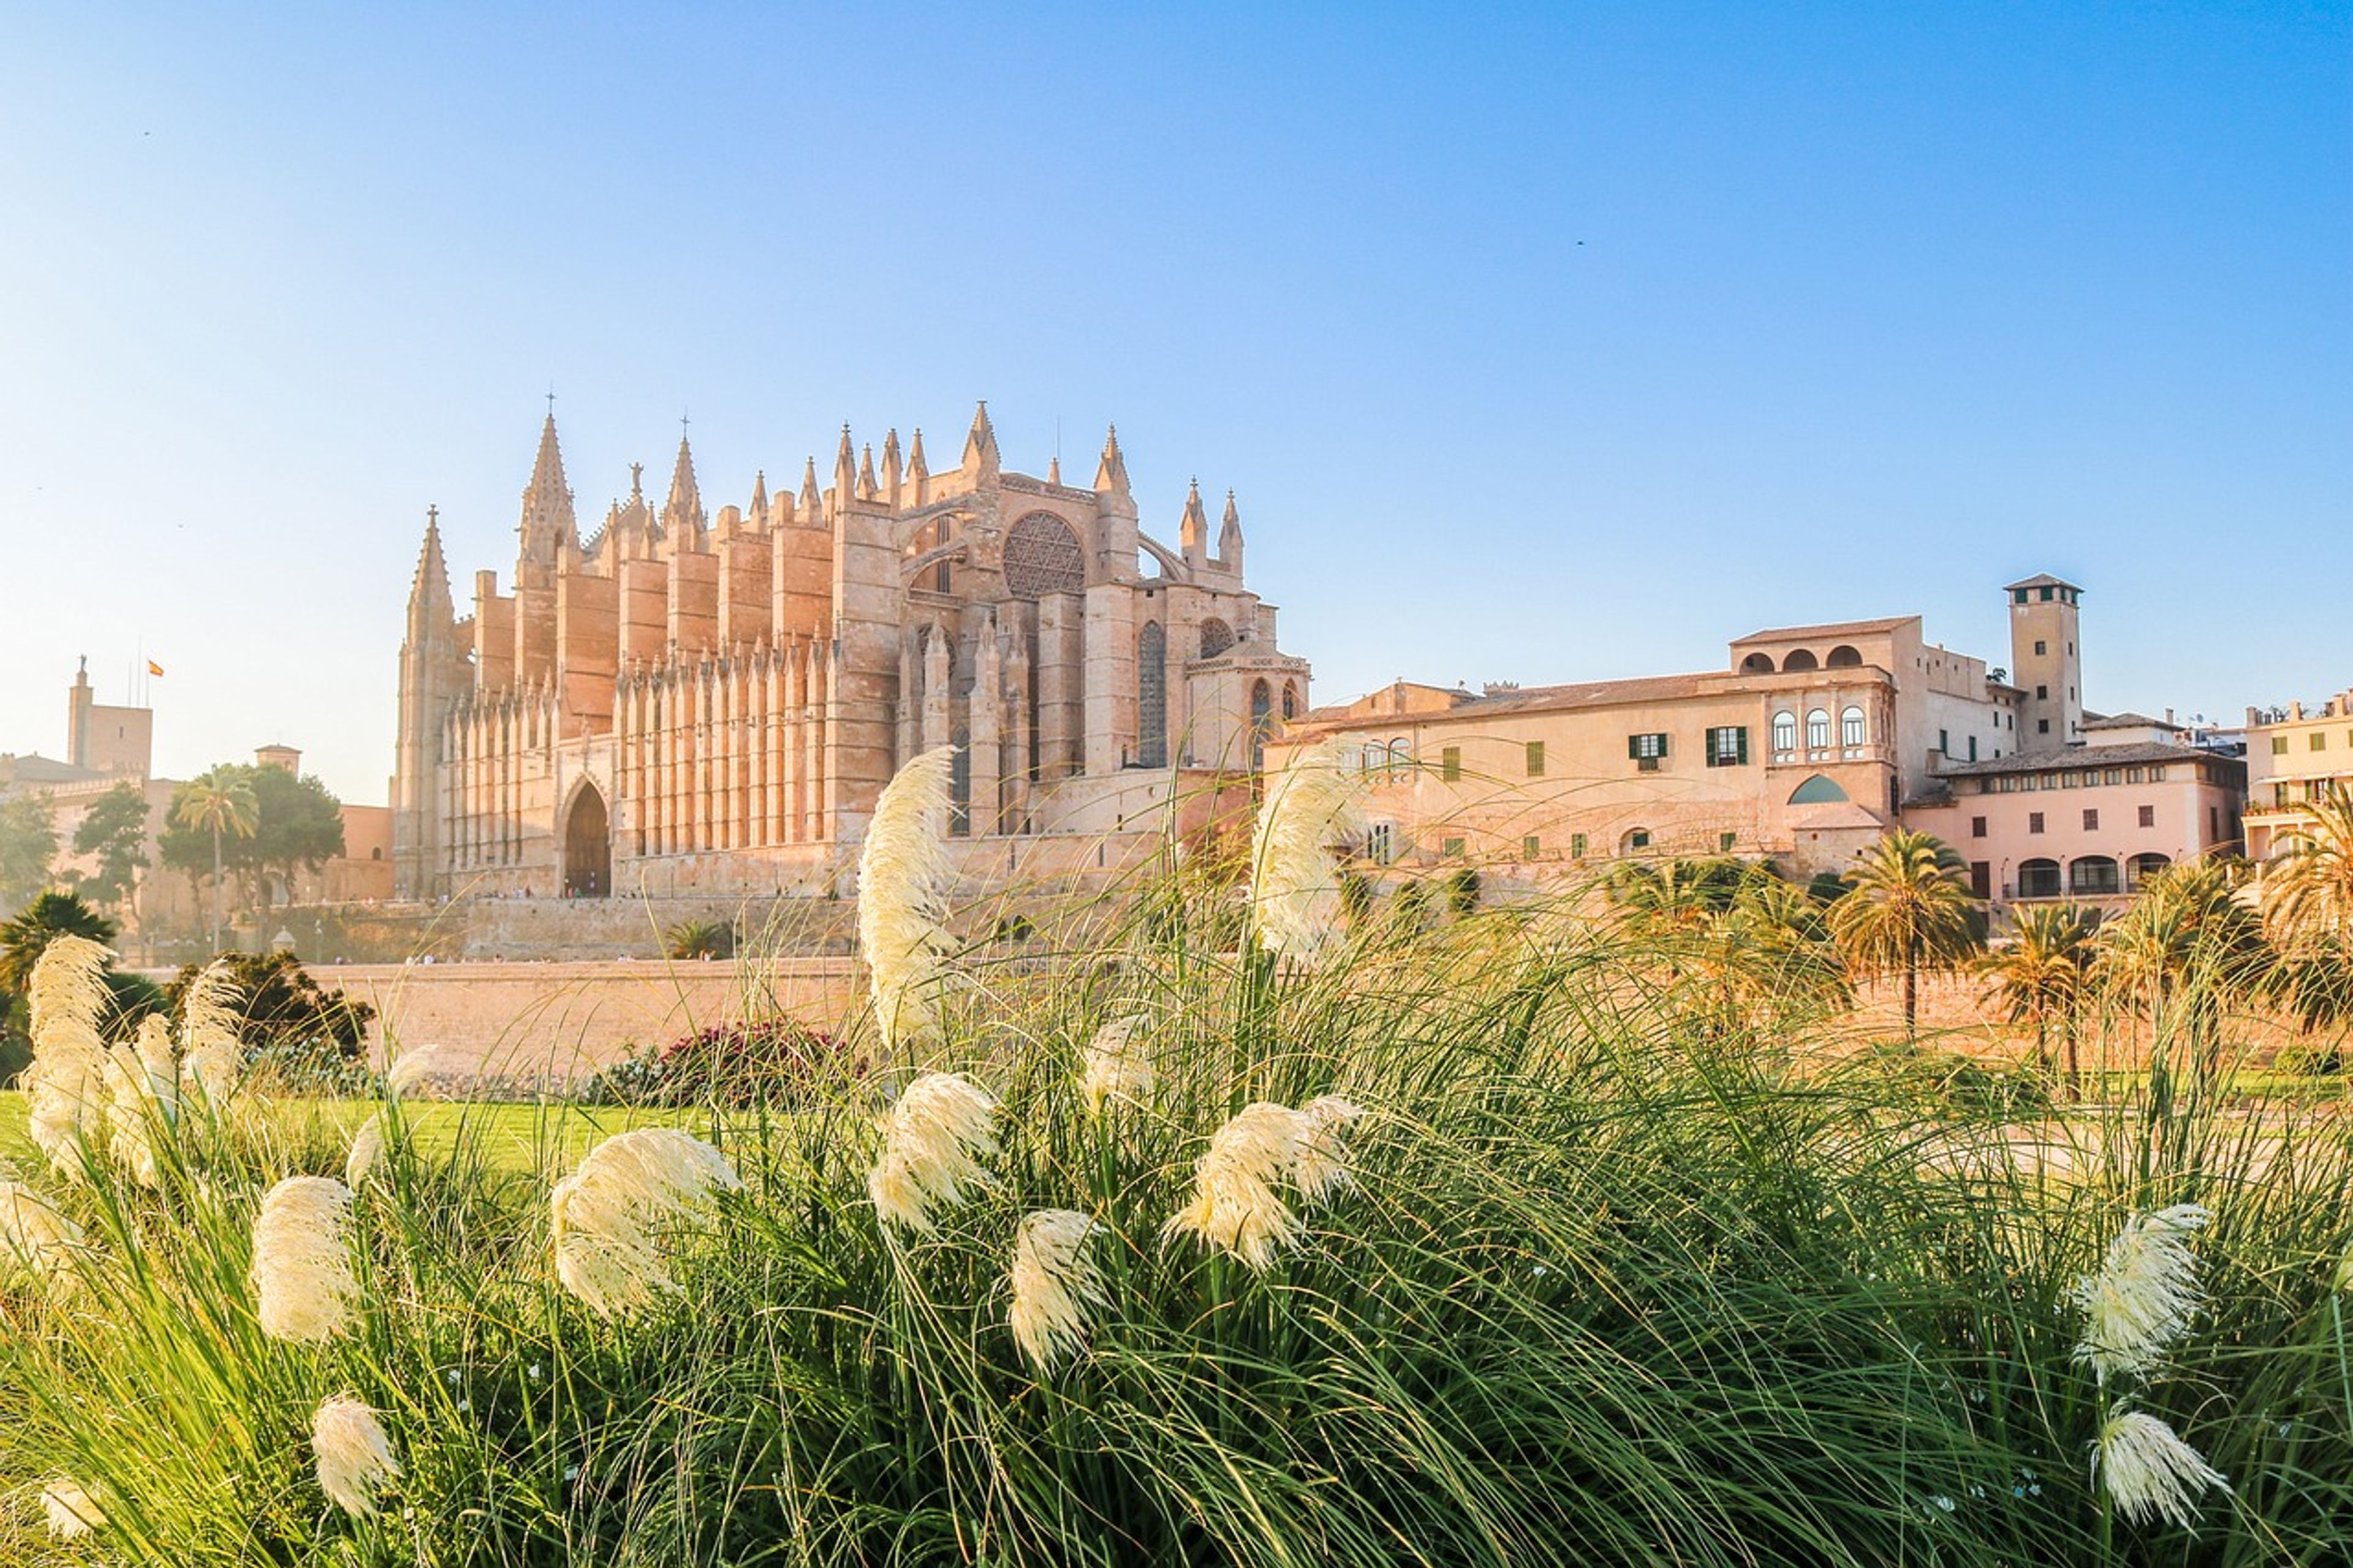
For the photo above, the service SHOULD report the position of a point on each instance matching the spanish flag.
(154, 669)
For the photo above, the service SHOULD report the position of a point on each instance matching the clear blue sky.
(1547, 344)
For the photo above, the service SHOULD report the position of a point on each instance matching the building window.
(2091, 819)
(2042, 694)
(1817, 730)
(2038, 880)
(2093, 874)
(1261, 709)
(1450, 847)
(1724, 843)
(1531, 846)
(2157, 775)
(1727, 747)
(1152, 695)
(2034, 822)
(2041, 646)
(2320, 740)
(1576, 845)
(1981, 879)
(1784, 732)
(1535, 759)
(1944, 742)
(1217, 636)
(2149, 817)
(2279, 745)
(1977, 827)
(1450, 762)
(2042, 726)
(1647, 750)
(1852, 729)
(1639, 838)
(1973, 748)
(1380, 843)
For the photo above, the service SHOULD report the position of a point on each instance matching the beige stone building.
(1802, 748)
(1810, 743)
(677, 702)
(2294, 757)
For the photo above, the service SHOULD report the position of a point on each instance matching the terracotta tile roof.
(2040, 579)
(1829, 629)
(2081, 757)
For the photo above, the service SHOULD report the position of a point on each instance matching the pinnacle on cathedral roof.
(760, 495)
(916, 468)
(684, 507)
(1229, 533)
(1193, 532)
(980, 442)
(429, 588)
(807, 509)
(547, 500)
(1111, 474)
(867, 488)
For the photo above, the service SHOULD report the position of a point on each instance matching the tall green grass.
(1624, 1277)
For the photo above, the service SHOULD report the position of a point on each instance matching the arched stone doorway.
(587, 847)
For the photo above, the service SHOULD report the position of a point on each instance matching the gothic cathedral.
(681, 704)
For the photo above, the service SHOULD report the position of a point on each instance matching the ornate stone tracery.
(1042, 556)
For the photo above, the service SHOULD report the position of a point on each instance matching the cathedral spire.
(1111, 474)
(1054, 469)
(980, 444)
(919, 472)
(867, 488)
(1229, 537)
(1193, 533)
(760, 497)
(890, 467)
(683, 510)
(547, 524)
(428, 591)
(810, 510)
(845, 469)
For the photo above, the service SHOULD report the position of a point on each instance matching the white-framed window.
(1785, 732)
(1851, 728)
(1380, 843)
(1817, 730)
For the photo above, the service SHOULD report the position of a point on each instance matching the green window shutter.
(1743, 733)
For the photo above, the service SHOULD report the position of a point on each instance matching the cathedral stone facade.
(682, 703)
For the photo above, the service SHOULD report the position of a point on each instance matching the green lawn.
(510, 1133)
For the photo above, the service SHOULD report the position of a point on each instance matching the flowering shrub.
(774, 1062)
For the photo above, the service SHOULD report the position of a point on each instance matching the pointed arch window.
(1261, 721)
(1152, 695)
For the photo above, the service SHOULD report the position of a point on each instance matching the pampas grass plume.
(1235, 1205)
(1053, 1281)
(64, 1087)
(2150, 1472)
(211, 1046)
(903, 873)
(1321, 1168)
(604, 1215)
(933, 1140)
(1117, 1064)
(1294, 892)
(301, 1261)
(367, 1148)
(40, 1238)
(2144, 1296)
(354, 1454)
(70, 1509)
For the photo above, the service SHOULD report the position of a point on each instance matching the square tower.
(2045, 662)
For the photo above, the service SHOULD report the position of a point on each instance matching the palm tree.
(49, 916)
(1909, 908)
(2041, 976)
(2308, 884)
(1769, 949)
(219, 800)
(2187, 945)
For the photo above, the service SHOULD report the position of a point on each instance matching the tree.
(113, 831)
(28, 846)
(2187, 948)
(2308, 885)
(1909, 908)
(2042, 974)
(24, 939)
(217, 802)
(285, 1013)
(297, 825)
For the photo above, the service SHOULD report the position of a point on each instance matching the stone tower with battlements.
(687, 703)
